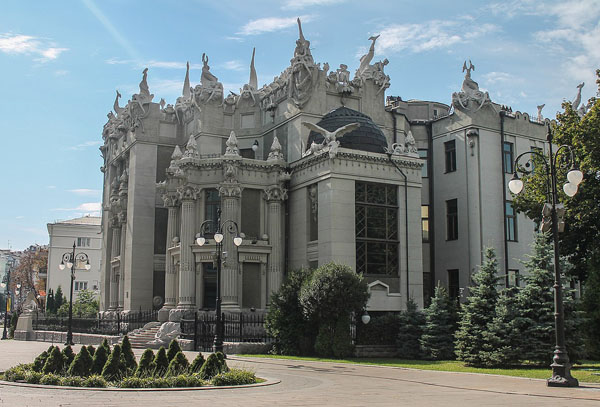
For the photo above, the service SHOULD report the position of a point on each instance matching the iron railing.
(107, 324)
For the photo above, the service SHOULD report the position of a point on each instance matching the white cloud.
(61, 72)
(85, 191)
(300, 4)
(87, 144)
(236, 65)
(29, 45)
(270, 24)
(427, 36)
(492, 78)
(88, 208)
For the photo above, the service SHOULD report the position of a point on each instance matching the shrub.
(158, 382)
(99, 360)
(50, 379)
(174, 348)
(195, 380)
(213, 366)
(15, 373)
(179, 380)
(234, 377)
(437, 341)
(68, 355)
(179, 365)
(54, 362)
(160, 363)
(113, 368)
(33, 377)
(381, 330)
(285, 320)
(95, 381)
(410, 329)
(127, 354)
(341, 345)
(40, 360)
(132, 383)
(144, 368)
(91, 350)
(324, 343)
(73, 381)
(106, 346)
(81, 364)
(196, 364)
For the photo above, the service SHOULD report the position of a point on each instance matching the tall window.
(511, 222)
(452, 219)
(425, 223)
(211, 206)
(453, 284)
(424, 153)
(507, 153)
(450, 150)
(376, 207)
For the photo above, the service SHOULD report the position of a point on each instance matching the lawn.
(588, 371)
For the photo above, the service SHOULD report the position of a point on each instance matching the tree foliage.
(31, 262)
(437, 341)
(410, 329)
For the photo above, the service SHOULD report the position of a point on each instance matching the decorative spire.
(231, 143)
(191, 148)
(275, 153)
(177, 154)
(253, 79)
(116, 106)
(186, 82)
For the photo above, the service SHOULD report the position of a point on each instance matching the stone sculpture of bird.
(330, 136)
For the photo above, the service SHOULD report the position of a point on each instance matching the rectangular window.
(425, 223)
(511, 222)
(250, 223)
(80, 285)
(450, 150)
(211, 206)
(513, 278)
(533, 158)
(376, 227)
(424, 154)
(453, 284)
(507, 151)
(83, 242)
(247, 153)
(452, 219)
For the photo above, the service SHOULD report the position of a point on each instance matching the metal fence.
(237, 327)
(107, 324)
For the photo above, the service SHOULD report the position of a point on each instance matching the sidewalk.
(306, 383)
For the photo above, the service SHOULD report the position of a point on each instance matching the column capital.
(189, 192)
(122, 216)
(230, 190)
(170, 198)
(275, 193)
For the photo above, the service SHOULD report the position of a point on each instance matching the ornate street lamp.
(561, 367)
(6, 285)
(70, 260)
(233, 229)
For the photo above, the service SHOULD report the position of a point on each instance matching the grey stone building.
(314, 167)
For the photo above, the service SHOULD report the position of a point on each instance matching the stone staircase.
(140, 337)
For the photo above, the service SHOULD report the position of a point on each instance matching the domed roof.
(368, 137)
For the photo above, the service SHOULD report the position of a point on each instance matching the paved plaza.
(305, 383)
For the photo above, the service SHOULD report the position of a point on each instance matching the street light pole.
(69, 259)
(232, 228)
(7, 294)
(561, 367)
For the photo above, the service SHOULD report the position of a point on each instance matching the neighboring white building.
(85, 232)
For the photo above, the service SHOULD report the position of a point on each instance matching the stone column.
(187, 272)
(275, 195)
(171, 202)
(121, 284)
(230, 202)
(114, 276)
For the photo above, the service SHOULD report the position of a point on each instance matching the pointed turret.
(191, 148)
(186, 82)
(275, 153)
(232, 145)
(253, 79)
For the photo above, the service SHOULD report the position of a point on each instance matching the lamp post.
(6, 284)
(561, 368)
(70, 260)
(233, 229)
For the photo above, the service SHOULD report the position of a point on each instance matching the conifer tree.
(59, 298)
(591, 306)
(144, 368)
(113, 369)
(174, 348)
(81, 364)
(127, 355)
(437, 341)
(501, 333)
(411, 322)
(106, 346)
(91, 350)
(54, 362)
(160, 362)
(178, 365)
(99, 360)
(477, 313)
(68, 355)
(197, 363)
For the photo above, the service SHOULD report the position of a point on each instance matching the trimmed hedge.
(234, 377)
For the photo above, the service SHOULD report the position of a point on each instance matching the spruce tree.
(106, 346)
(477, 313)
(144, 368)
(411, 322)
(501, 333)
(174, 349)
(59, 298)
(127, 355)
(91, 350)
(54, 363)
(178, 365)
(99, 360)
(113, 369)
(197, 363)
(50, 306)
(437, 341)
(160, 362)
(81, 364)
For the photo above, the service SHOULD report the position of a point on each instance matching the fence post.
(241, 338)
(118, 323)
(196, 330)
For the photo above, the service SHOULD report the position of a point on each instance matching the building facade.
(86, 234)
(315, 167)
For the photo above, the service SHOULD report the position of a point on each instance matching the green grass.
(583, 372)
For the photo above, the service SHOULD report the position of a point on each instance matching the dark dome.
(367, 137)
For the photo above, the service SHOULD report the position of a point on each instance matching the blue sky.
(61, 62)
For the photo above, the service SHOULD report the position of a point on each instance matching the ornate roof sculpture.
(366, 136)
(470, 97)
